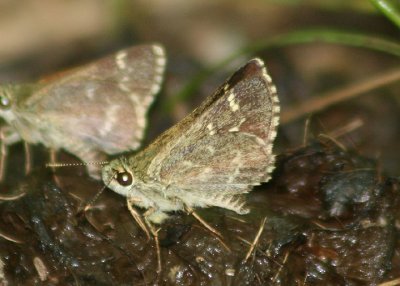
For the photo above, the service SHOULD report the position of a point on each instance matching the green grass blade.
(390, 8)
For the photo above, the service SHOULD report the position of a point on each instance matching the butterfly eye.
(4, 101)
(124, 178)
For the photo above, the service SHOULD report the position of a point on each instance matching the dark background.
(332, 215)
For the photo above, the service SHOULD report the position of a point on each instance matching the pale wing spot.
(237, 127)
(275, 99)
(226, 87)
(147, 100)
(210, 127)
(275, 121)
(125, 79)
(232, 103)
(158, 51)
(120, 59)
(140, 106)
(269, 149)
(273, 134)
(268, 78)
(159, 69)
(123, 87)
(160, 62)
(276, 109)
(236, 161)
(90, 92)
(231, 96)
(270, 169)
(207, 170)
(264, 71)
(111, 119)
(235, 107)
(260, 141)
(273, 89)
(260, 63)
(154, 88)
(141, 122)
(158, 79)
(140, 111)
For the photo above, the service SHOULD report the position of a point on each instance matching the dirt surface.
(329, 220)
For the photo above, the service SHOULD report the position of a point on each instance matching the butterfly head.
(118, 176)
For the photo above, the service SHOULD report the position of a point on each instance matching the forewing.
(226, 144)
(105, 101)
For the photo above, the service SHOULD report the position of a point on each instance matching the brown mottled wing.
(225, 144)
(104, 103)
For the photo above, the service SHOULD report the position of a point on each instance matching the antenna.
(59, 165)
(96, 196)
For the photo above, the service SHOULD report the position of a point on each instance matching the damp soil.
(328, 217)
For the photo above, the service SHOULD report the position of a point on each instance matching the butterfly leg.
(146, 226)
(8, 136)
(28, 158)
(3, 155)
(219, 236)
(138, 218)
(154, 232)
(191, 211)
